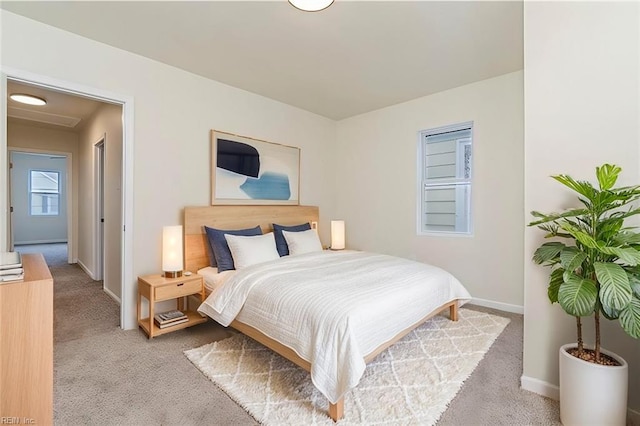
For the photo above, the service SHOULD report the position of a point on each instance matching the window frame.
(32, 192)
(443, 182)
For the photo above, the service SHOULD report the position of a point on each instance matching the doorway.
(121, 239)
(40, 201)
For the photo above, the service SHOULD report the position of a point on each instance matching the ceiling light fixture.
(311, 5)
(28, 99)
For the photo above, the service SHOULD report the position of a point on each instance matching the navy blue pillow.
(281, 243)
(212, 257)
(219, 245)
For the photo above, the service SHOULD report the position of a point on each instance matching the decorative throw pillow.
(248, 251)
(281, 243)
(210, 255)
(221, 252)
(302, 242)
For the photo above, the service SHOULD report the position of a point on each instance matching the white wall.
(105, 123)
(581, 110)
(26, 137)
(37, 229)
(376, 173)
(174, 112)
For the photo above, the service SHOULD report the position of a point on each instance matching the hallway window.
(44, 193)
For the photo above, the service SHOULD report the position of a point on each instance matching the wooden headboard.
(234, 217)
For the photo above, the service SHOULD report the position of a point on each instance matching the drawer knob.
(180, 284)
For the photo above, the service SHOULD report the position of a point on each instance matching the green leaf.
(634, 212)
(628, 255)
(627, 237)
(544, 218)
(607, 175)
(609, 313)
(615, 290)
(607, 200)
(584, 238)
(577, 296)
(555, 281)
(581, 187)
(635, 287)
(548, 252)
(571, 258)
(630, 318)
(629, 188)
(608, 229)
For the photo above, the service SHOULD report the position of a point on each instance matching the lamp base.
(172, 274)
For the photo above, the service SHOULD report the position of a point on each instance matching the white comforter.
(333, 308)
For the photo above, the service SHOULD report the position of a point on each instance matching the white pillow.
(249, 250)
(302, 241)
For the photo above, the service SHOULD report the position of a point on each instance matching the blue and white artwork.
(251, 171)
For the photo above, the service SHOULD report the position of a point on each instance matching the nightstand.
(156, 288)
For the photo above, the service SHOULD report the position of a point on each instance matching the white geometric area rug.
(412, 382)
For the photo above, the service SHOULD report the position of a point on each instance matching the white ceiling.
(354, 57)
(62, 109)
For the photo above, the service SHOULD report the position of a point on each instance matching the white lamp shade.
(172, 248)
(337, 235)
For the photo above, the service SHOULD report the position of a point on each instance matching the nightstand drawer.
(178, 290)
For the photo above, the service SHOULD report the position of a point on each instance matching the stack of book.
(11, 267)
(169, 319)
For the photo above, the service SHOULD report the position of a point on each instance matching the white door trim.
(98, 212)
(128, 284)
(5, 232)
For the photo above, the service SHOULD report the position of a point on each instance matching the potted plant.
(595, 272)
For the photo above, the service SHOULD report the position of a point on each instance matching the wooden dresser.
(26, 345)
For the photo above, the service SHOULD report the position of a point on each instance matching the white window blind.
(446, 179)
(44, 193)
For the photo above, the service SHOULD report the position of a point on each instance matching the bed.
(274, 304)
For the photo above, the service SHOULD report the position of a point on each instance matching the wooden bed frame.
(238, 217)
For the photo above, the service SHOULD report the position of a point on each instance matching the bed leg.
(336, 411)
(453, 311)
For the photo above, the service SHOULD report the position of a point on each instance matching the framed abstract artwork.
(251, 171)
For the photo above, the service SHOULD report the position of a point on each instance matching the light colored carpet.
(412, 382)
(107, 376)
(55, 254)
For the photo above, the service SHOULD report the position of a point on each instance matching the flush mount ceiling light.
(311, 5)
(28, 99)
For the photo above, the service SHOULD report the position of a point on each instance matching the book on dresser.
(10, 260)
(11, 267)
(170, 318)
(11, 277)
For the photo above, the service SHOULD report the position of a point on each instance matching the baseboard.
(507, 307)
(552, 391)
(87, 270)
(112, 295)
(24, 243)
(540, 387)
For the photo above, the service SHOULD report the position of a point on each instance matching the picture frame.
(246, 170)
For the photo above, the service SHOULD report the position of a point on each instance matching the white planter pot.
(592, 394)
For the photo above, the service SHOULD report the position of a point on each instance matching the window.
(445, 173)
(44, 193)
